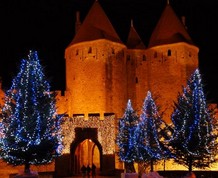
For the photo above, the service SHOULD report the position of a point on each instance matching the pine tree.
(31, 126)
(126, 138)
(194, 140)
(152, 134)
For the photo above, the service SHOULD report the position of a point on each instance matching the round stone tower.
(96, 68)
(172, 58)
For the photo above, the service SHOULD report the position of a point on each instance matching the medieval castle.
(102, 73)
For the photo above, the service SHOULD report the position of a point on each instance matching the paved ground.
(94, 177)
(97, 176)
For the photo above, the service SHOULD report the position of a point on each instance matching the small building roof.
(169, 29)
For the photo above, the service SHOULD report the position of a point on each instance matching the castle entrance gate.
(86, 142)
(86, 150)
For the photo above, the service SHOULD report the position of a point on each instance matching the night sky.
(48, 27)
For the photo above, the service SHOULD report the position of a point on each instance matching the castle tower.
(96, 68)
(135, 57)
(173, 57)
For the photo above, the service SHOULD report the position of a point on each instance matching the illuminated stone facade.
(102, 73)
(2, 94)
(163, 70)
(96, 78)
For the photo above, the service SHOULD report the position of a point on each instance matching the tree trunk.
(129, 167)
(27, 173)
(143, 167)
(27, 168)
(190, 164)
(152, 166)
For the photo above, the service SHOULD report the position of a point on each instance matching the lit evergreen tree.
(31, 126)
(126, 138)
(152, 134)
(194, 140)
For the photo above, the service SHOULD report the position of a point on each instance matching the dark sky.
(48, 27)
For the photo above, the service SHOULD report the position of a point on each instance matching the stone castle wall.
(102, 75)
(96, 77)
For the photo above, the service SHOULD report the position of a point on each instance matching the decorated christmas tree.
(126, 138)
(152, 134)
(31, 132)
(194, 140)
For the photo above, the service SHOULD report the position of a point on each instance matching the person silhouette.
(83, 170)
(88, 170)
(93, 171)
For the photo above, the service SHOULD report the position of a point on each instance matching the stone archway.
(100, 131)
(84, 135)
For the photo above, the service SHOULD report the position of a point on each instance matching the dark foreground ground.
(165, 174)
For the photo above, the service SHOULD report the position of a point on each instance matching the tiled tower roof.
(96, 26)
(169, 29)
(134, 41)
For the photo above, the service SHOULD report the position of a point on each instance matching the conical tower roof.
(134, 41)
(169, 29)
(96, 26)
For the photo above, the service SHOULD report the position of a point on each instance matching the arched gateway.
(86, 150)
(86, 142)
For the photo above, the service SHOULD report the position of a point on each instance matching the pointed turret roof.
(96, 26)
(169, 29)
(134, 41)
